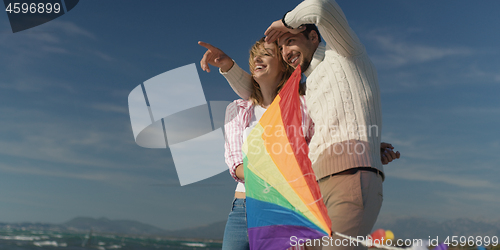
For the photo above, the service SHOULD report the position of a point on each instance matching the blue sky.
(67, 147)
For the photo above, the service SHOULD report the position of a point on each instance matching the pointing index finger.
(207, 45)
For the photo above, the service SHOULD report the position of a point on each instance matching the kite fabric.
(283, 201)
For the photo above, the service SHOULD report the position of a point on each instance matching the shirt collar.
(318, 57)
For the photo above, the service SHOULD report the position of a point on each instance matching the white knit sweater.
(342, 94)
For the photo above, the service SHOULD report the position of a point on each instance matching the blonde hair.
(256, 49)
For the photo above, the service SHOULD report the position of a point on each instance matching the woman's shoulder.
(237, 107)
(240, 104)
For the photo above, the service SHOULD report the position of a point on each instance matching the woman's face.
(267, 68)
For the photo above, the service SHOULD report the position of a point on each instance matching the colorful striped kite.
(283, 201)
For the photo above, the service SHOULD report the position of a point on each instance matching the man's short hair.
(309, 28)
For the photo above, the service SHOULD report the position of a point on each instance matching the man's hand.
(277, 29)
(215, 57)
(387, 154)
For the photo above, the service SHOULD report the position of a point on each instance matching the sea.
(14, 239)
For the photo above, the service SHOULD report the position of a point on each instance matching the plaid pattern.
(238, 115)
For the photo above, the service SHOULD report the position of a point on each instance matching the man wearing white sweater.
(343, 100)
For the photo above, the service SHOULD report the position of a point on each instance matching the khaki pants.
(353, 203)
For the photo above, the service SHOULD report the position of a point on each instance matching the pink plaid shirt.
(238, 115)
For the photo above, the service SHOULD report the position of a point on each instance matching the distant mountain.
(211, 231)
(419, 228)
(403, 228)
(112, 226)
(33, 226)
(214, 231)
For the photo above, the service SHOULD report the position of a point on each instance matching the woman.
(269, 73)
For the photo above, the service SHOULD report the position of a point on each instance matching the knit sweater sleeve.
(331, 22)
(239, 80)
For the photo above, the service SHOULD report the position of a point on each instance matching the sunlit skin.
(298, 49)
(267, 72)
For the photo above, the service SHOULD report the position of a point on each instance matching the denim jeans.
(236, 232)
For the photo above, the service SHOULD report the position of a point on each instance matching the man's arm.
(239, 80)
(331, 23)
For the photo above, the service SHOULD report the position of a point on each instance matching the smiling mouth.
(259, 67)
(293, 60)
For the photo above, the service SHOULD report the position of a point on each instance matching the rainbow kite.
(283, 200)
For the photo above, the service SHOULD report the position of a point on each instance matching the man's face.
(297, 49)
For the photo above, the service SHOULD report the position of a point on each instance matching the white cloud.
(44, 144)
(395, 52)
(66, 27)
(109, 107)
(475, 111)
(35, 83)
(25, 50)
(476, 73)
(435, 173)
(87, 174)
(433, 158)
(414, 147)
(55, 33)
(468, 196)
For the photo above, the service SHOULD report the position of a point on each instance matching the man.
(343, 100)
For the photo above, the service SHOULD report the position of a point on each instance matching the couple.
(342, 99)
